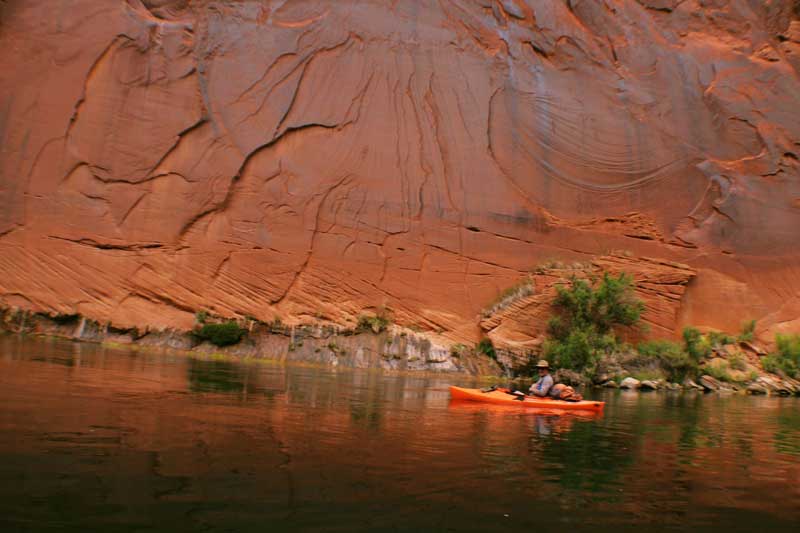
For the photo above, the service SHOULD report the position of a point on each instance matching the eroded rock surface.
(310, 160)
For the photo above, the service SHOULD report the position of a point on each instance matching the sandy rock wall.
(310, 160)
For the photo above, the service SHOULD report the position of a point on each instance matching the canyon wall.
(315, 160)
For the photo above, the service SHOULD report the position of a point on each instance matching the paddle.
(516, 394)
(493, 388)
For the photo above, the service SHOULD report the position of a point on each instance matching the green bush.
(647, 375)
(738, 362)
(676, 362)
(201, 317)
(486, 347)
(457, 350)
(223, 334)
(748, 331)
(376, 324)
(717, 339)
(576, 351)
(788, 346)
(697, 346)
(719, 372)
(583, 330)
(609, 303)
(771, 364)
(787, 357)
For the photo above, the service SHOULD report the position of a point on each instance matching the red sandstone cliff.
(313, 159)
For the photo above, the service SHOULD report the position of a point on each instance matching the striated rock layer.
(311, 160)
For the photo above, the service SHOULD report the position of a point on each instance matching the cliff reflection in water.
(94, 438)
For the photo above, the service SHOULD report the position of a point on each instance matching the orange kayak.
(500, 397)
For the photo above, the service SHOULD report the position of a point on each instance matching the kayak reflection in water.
(543, 425)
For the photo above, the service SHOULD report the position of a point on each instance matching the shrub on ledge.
(486, 347)
(787, 357)
(697, 345)
(748, 331)
(588, 312)
(677, 363)
(376, 324)
(223, 334)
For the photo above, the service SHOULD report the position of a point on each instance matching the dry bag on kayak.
(565, 392)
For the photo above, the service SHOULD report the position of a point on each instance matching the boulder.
(749, 346)
(611, 384)
(648, 385)
(629, 383)
(792, 385)
(769, 383)
(710, 384)
(674, 386)
(690, 384)
(776, 385)
(757, 388)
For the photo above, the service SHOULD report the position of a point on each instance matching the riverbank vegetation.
(589, 337)
(583, 330)
(584, 340)
(676, 362)
(224, 334)
(486, 348)
(786, 357)
(376, 323)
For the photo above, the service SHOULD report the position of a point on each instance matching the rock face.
(310, 160)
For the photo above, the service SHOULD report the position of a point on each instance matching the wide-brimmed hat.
(542, 364)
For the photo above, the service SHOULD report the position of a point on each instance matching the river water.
(102, 439)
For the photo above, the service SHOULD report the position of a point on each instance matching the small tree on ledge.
(583, 329)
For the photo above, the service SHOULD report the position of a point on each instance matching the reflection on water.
(217, 376)
(107, 440)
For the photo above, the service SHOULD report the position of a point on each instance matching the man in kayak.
(542, 387)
